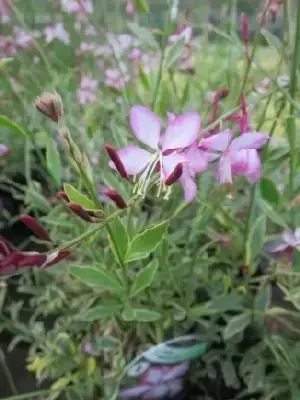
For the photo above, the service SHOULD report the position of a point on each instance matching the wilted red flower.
(13, 260)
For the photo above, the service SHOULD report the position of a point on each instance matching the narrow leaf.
(142, 6)
(145, 315)
(53, 161)
(146, 242)
(236, 325)
(144, 278)
(256, 238)
(174, 52)
(97, 277)
(79, 198)
(272, 214)
(144, 35)
(119, 244)
(16, 128)
(269, 192)
(99, 312)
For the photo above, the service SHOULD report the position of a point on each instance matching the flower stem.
(291, 121)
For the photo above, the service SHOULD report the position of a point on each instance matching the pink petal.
(175, 387)
(181, 131)
(239, 162)
(251, 140)
(219, 142)
(176, 371)
(275, 246)
(157, 392)
(254, 165)
(297, 233)
(289, 238)
(133, 158)
(145, 125)
(223, 170)
(170, 162)
(197, 159)
(152, 376)
(135, 391)
(189, 186)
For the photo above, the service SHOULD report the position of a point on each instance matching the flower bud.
(50, 105)
(116, 198)
(35, 226)
(113, 155)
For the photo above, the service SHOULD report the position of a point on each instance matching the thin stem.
(291, 122)
(7, 373)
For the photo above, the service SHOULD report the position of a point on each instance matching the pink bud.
(176, 174)
(116, 198)
(63, 196)
(80, 212)
(245, 29)
(35, 226)
(61, 255)
(113, 155)
(32, 260)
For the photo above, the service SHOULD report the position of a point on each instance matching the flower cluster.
(179, 152)
(158, 382)
(13, 260)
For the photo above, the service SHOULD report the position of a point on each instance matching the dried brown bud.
(50, 105)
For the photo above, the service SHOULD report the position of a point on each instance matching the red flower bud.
(35, 226)
(81, 212)
(176, 174)
(113, 155)
(63, 196)
(116, 198)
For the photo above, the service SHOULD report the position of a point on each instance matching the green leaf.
(144, 278)
(263, 298)
(296, 261)
(256, 239)
(230, 302)
(119, 244)
(145, 315)
(174, 52)
(272, 214)
(146, 242)
(140, 314)
(236, 325)
(3, 290)
(77, 197)
(97, 277)
(229, 374)
(144, 79)
(256, 379)
(16, 128)
(53, 161)
(269, 192)
(144, 35)
(99, 312)
(142, 5)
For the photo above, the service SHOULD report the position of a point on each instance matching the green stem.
(291, 122)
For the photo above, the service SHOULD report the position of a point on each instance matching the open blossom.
(182, 33)
(173, 154)
(77, 6)
(237, 156)
(5, 11)
(158, 382)
(4, 150)
(13, 260)
(115, 78)
(87, 92)
(58, 32)
(285, 246)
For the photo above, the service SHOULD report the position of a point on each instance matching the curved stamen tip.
(176, 174)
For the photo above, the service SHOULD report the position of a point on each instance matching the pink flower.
(130, 7)
(238, 156)
(171, 153)
(115, 78)
(22, 38)
(77, 6)
(289, 241)
(87, 92)
(182, 33)
(158, 382)
(5, 11)
(13, 260)
(4, 150)
(56, 31)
